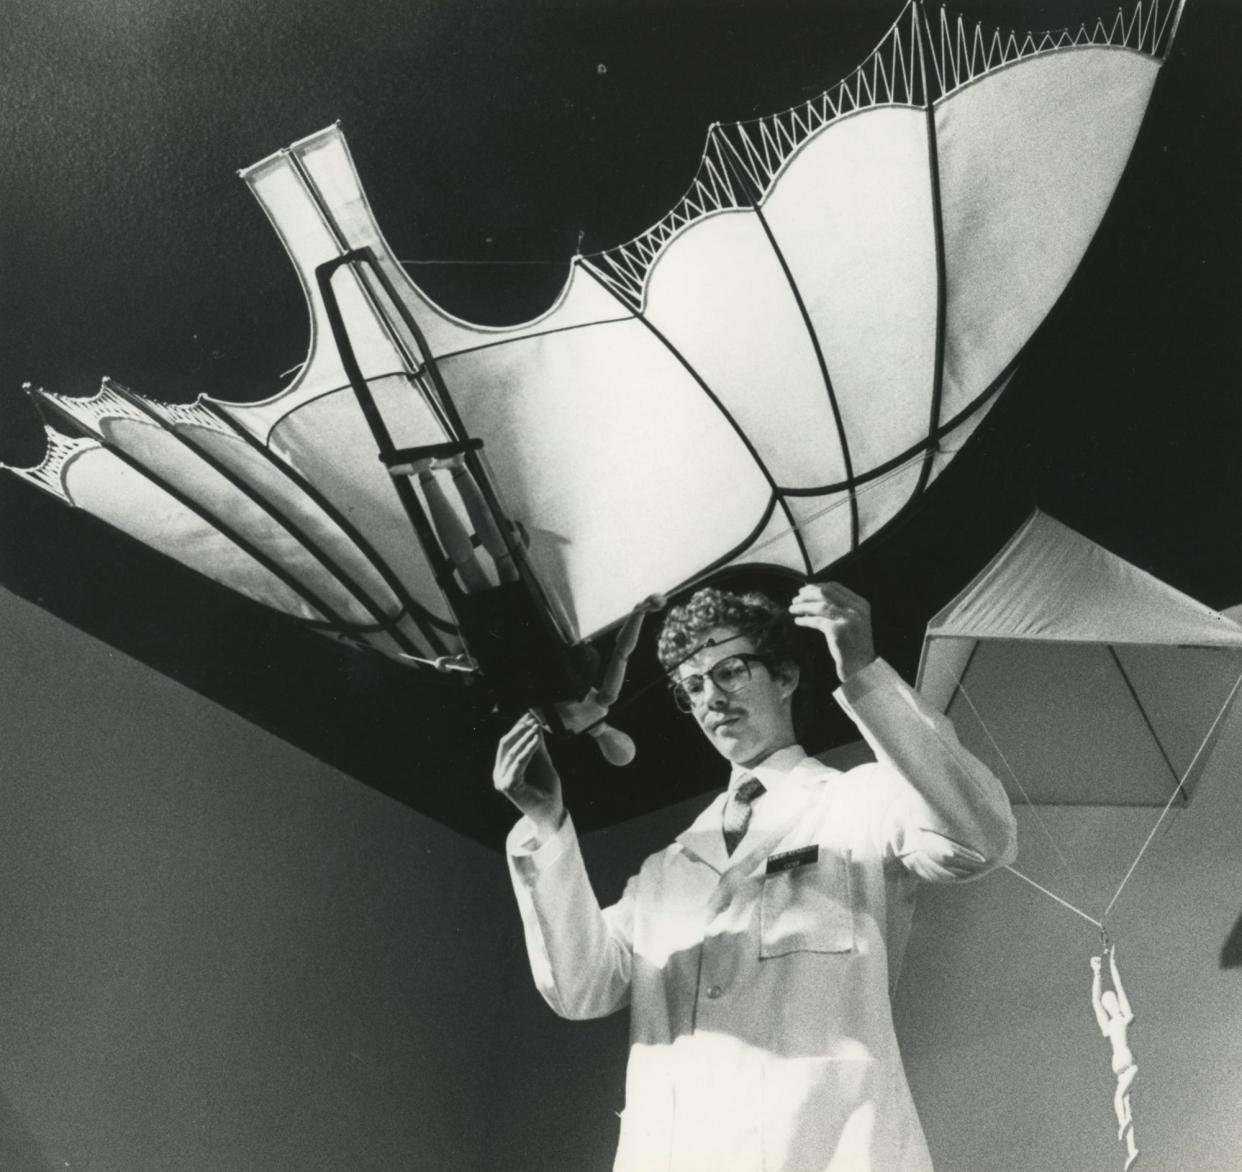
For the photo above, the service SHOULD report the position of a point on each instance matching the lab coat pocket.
(808, 908)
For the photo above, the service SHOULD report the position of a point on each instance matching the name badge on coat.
(788, 860)
(806, 904)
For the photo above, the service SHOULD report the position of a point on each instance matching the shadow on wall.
(1231, 950)
(18, 1150)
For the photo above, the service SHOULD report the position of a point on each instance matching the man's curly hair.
(754, 614)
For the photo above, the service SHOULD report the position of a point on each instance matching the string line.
(1176, 790)
(1043, 826)
(1053, 895)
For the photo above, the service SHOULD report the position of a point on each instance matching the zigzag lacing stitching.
(109, 403)
(192, 414)
(760, 148)
(957, 54)
(960, 54)
(104, 404)
(91, 413)
(49, 474)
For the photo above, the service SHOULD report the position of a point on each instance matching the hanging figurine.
(1114, 1015)
(587, 714)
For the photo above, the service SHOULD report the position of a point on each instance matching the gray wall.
(215, 952)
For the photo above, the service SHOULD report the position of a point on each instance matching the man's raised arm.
(952, 819)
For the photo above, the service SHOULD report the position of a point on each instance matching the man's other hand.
(844, 619)
(524, 773)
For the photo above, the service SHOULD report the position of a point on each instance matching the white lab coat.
(761, 1030)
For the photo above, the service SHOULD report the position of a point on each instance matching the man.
(759, 974)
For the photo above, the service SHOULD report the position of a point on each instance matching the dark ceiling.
(497, 131)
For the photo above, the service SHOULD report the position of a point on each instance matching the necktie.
(737, 811)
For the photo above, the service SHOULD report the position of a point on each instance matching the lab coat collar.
(774, 770)
(787, 776)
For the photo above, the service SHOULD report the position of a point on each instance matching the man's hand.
(843, 617)
(524, 773)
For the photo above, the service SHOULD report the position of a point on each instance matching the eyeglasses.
(729, 675)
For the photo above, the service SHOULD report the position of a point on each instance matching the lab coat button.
(714, 991)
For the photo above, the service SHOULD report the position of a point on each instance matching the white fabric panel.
(852, 215)
(879, 500)
(777, 545)
(310, 243)
(1029, 159)
(291, 502)
(169, 460)
(1051, 583)
(825, 525)
(719, 295)
(107, 488)
(624, 473)
(329, 442)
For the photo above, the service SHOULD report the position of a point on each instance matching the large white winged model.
(767, 376)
